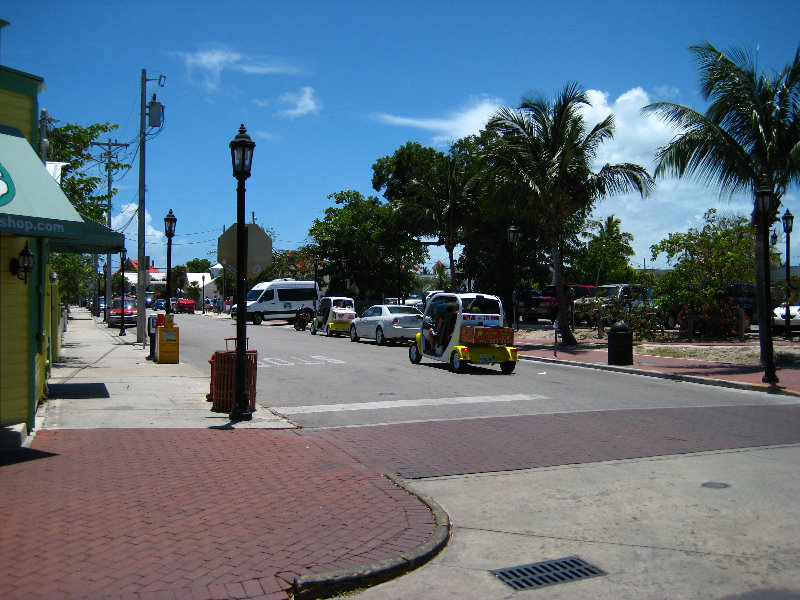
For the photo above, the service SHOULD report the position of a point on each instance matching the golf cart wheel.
(456, 364)
(328, 331)
(508, 366)
(313, 328)
(413, 353)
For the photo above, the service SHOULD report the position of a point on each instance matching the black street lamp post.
(788, 222)
(123, 256)
(242, 158)
(513, 233)
(203, 292)
(381, 254)
(170, 221)
(763, 199)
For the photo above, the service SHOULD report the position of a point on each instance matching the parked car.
(779, 318)
(386, 322)
(122, 311)
(545, 306)
(184, 305)
(160, 304)
(610, 301)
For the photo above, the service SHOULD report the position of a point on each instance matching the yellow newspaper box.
(167, 342)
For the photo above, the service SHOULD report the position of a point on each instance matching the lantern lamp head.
(170, 221)
(23, 263)
(242, 154)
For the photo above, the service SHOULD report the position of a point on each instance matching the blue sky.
(326, 88)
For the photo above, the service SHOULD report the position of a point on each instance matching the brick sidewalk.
(197, 514)
(701, 371)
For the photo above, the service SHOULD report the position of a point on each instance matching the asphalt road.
(331, 382)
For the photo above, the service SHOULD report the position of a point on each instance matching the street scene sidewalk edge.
(755, 387)
(323, 585)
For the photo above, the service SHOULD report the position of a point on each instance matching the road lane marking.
(322, 408)
(272, 361)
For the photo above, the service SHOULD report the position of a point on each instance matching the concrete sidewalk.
(132, 488)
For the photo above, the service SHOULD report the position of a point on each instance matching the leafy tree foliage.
(705, 261)
(74, 273)
(72, 143)
(541, 165)
(748, 137)
(198, 265)
(347, 241)
(431, 194)
(604, 259)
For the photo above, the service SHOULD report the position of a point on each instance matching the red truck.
(545, 306)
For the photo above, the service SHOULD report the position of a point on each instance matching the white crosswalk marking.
(322, 408)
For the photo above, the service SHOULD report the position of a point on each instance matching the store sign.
(7, 189)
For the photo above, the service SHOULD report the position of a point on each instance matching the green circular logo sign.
(7, 189)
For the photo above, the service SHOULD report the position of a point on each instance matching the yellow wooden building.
(35, 219)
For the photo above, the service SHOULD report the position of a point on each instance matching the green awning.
(96, 239)
(31, 201)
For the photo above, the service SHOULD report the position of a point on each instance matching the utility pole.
(108, 145)
(155, 111)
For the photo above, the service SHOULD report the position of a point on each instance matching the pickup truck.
(545, 306)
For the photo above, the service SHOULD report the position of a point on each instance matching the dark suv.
(545, 306)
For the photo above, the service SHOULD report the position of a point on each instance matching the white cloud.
(211, 61)
(300, 104)
(468, 120)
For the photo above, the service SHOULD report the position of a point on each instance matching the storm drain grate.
(548, 572)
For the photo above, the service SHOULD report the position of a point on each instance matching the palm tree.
(541, 169)
(749, 137)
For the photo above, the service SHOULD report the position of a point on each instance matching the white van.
(280, 299)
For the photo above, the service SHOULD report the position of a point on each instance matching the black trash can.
(620, 344)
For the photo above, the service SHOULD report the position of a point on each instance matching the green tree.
(431, 194)
(604, 259)
(705, 261)
(541, 166)
(748, 137)
(346, 243)
(74, 272)
(198, 265)
(72, 144)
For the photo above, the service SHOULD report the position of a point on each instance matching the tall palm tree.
(748, 137)
(541, 167)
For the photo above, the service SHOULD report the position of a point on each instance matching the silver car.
(386, 322)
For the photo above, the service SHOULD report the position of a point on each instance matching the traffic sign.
(259, 249)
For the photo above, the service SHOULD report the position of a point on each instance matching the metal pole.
(140, 280)
(241, 410)
(122, 299)
(765, 311)
(169, 275)
(786, 326)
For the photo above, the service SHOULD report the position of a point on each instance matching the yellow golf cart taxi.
(461, 329)
(334, 315)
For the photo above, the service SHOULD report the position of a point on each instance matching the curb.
(323, 585)
(739, 385)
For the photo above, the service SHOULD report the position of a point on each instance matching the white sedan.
(779, 317)
(386, 322)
